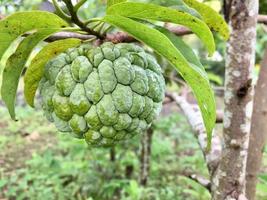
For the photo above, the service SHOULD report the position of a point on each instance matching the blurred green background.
(36, 162)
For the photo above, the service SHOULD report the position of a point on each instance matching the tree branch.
(219, 113)
(178, 30)
(197, 178)
(117, 37)
(219, 116)
(193, 115)
(262, 19)
(65, 35)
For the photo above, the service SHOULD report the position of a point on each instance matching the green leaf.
(160, 13)
(187, 9)
(15, 65)
(187, 52)
(179, 5)
(35, 71)
(215, 78)
(112, 2)
(211, 17)
(19, 23)
(170, 2)
(192, 75)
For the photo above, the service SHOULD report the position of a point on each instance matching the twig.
(262, 19)
(60, 12)
(219, 90)
(64, 35)
(117, 37)
(79, 4)
(75, 19)
(219, 116)
(219, 113)
(177, 30)
(197, 178)
(167, 100)
(193, 114)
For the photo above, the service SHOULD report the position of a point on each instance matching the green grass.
(38, 163)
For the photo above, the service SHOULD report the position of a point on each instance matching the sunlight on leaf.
(164, 14)
(112, 2)
(15, 65)
(19, 23)
(211, 17)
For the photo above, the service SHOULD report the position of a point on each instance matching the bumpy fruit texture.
(102, 94)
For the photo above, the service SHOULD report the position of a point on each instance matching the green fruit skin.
(103, 94)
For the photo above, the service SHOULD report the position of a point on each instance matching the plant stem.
(95, 25)
(78, 22)
(99, 27)
(60, 12)
(92, 20)
(79, 4)
(71, 29)
(107, 29)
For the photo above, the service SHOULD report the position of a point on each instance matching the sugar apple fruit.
(102, 94)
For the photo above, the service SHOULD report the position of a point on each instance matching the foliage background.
(38, 163)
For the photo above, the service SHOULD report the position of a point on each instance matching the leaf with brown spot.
(214, 20)
(15, 65)
(19, 23)
(146, 11)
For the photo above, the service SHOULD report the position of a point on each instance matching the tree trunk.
(145, 156)
(112, 154)
(230, 176)
(258, 133)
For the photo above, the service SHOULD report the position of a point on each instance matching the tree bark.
(145, 156)
(258, 135)
(229, 182)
